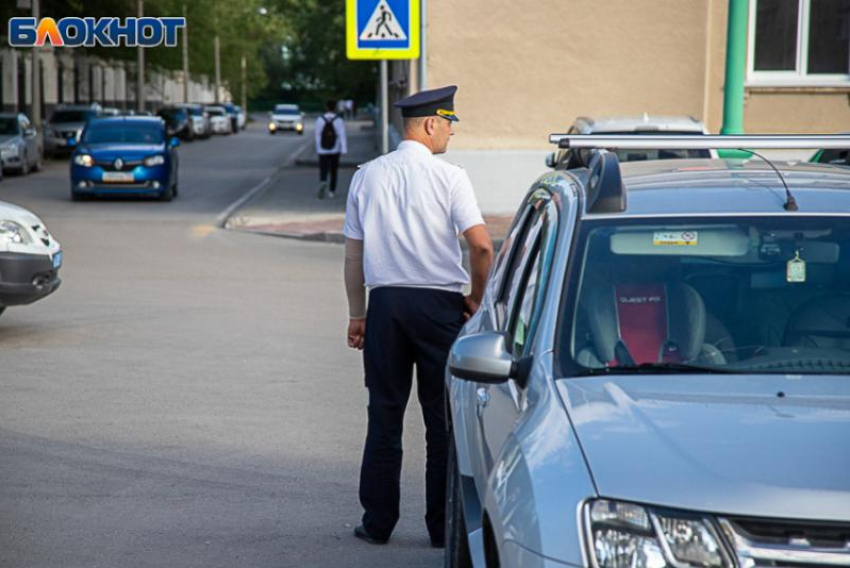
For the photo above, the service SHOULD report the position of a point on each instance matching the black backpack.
(328, 139)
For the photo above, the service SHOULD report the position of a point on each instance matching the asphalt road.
(186, 398)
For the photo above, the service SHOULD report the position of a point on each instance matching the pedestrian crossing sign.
(382, 29)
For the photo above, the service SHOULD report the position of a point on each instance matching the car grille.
(67, 134)
(788, 544)
(109, 166)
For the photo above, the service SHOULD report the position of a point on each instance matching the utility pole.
(244, 85)
(385, 112)
(217, 66)
(36, 73)
(185, 59)
(140, 64)
(423, 44)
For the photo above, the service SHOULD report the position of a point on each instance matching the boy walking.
(331, 143)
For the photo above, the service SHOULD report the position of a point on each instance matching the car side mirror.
(173, 142)
(550, 160)
(482, 358)
(30, 132)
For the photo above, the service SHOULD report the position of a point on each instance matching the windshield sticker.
(675, 238)
(795, 271)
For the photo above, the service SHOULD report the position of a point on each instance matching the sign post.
(382, 30)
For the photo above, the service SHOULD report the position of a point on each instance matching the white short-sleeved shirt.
(341, 144)
(408, 208)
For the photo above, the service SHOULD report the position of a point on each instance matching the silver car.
(65, 126)
(644, 124)
(657, 376)
(20, 145)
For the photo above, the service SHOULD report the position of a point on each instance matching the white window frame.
(799, 77)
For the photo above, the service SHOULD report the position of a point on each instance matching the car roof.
(671, 188)
(130, 120)
(646, 122)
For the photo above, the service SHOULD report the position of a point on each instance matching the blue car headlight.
(624, 535)
(84, 160)
(157, 160)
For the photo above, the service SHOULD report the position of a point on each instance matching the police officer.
(404, 213)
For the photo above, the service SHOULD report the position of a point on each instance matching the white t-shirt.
(341, 145)
(408, 208)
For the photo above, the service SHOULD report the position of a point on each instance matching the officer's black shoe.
(361, 533)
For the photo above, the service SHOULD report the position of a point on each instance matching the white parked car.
(219, 120)
(30, 258)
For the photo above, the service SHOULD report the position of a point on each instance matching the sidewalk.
(288, 206)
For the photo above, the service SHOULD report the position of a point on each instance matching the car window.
(72, 115)
(8, 126)
(518, 263)
(121, 133)
(529, 303)
(753, 295)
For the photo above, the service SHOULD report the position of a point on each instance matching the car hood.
(4, 138)
(124, 151)
(19, 214)
(766, 446)
(286, 116)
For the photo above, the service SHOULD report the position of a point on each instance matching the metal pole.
(423, 41)
(736, 64)
(244, 85)
(217, 69)
(36, 73)
(185, 59)
(140, 65)
(385, 136)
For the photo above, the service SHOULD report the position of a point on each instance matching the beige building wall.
(526, 68)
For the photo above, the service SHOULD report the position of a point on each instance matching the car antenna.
(790, 202)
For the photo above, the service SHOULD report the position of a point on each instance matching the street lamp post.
(185, 59)
(140, 65)
(36, 73)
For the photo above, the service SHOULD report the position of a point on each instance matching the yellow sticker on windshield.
(675, 238)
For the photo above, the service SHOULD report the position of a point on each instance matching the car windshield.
(286, 109)
(8, 126)
(215, 112)
(72, 115)
(123, 133)
(172, 114)
(755, 295)
(634, 155)
(195, 111)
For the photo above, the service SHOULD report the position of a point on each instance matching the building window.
(799, 42)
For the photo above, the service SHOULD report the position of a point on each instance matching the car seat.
(822, 322)
(656, 322)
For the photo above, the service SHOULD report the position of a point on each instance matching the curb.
(224, 217)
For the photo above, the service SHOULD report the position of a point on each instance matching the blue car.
(125, 155)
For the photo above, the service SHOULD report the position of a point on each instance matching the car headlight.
(84, 160)
(272, 126)
(299, 127)
(157, 160)
(14, 232)
(623, 535)
(9, 149)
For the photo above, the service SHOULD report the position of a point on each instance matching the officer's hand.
(356, 333)
(470, 306)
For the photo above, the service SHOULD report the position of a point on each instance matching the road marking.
(221, 220)
(203, 230)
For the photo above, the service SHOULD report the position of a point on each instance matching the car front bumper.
(145, 180)
(25, 278)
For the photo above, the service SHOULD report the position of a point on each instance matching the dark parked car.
(177, 122)
(20, 147)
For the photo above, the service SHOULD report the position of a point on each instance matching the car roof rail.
(701, 141)
(606, 192)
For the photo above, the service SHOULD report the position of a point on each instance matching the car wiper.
(666, 368)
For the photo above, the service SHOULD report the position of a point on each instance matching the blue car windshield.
(742, 295)
(8, 126)
(123, 134)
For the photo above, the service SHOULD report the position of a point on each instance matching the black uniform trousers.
(329, 164)
(406, 327)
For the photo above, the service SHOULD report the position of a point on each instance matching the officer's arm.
(480, 259)
(354, 280)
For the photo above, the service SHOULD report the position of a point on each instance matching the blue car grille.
(109, 166)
